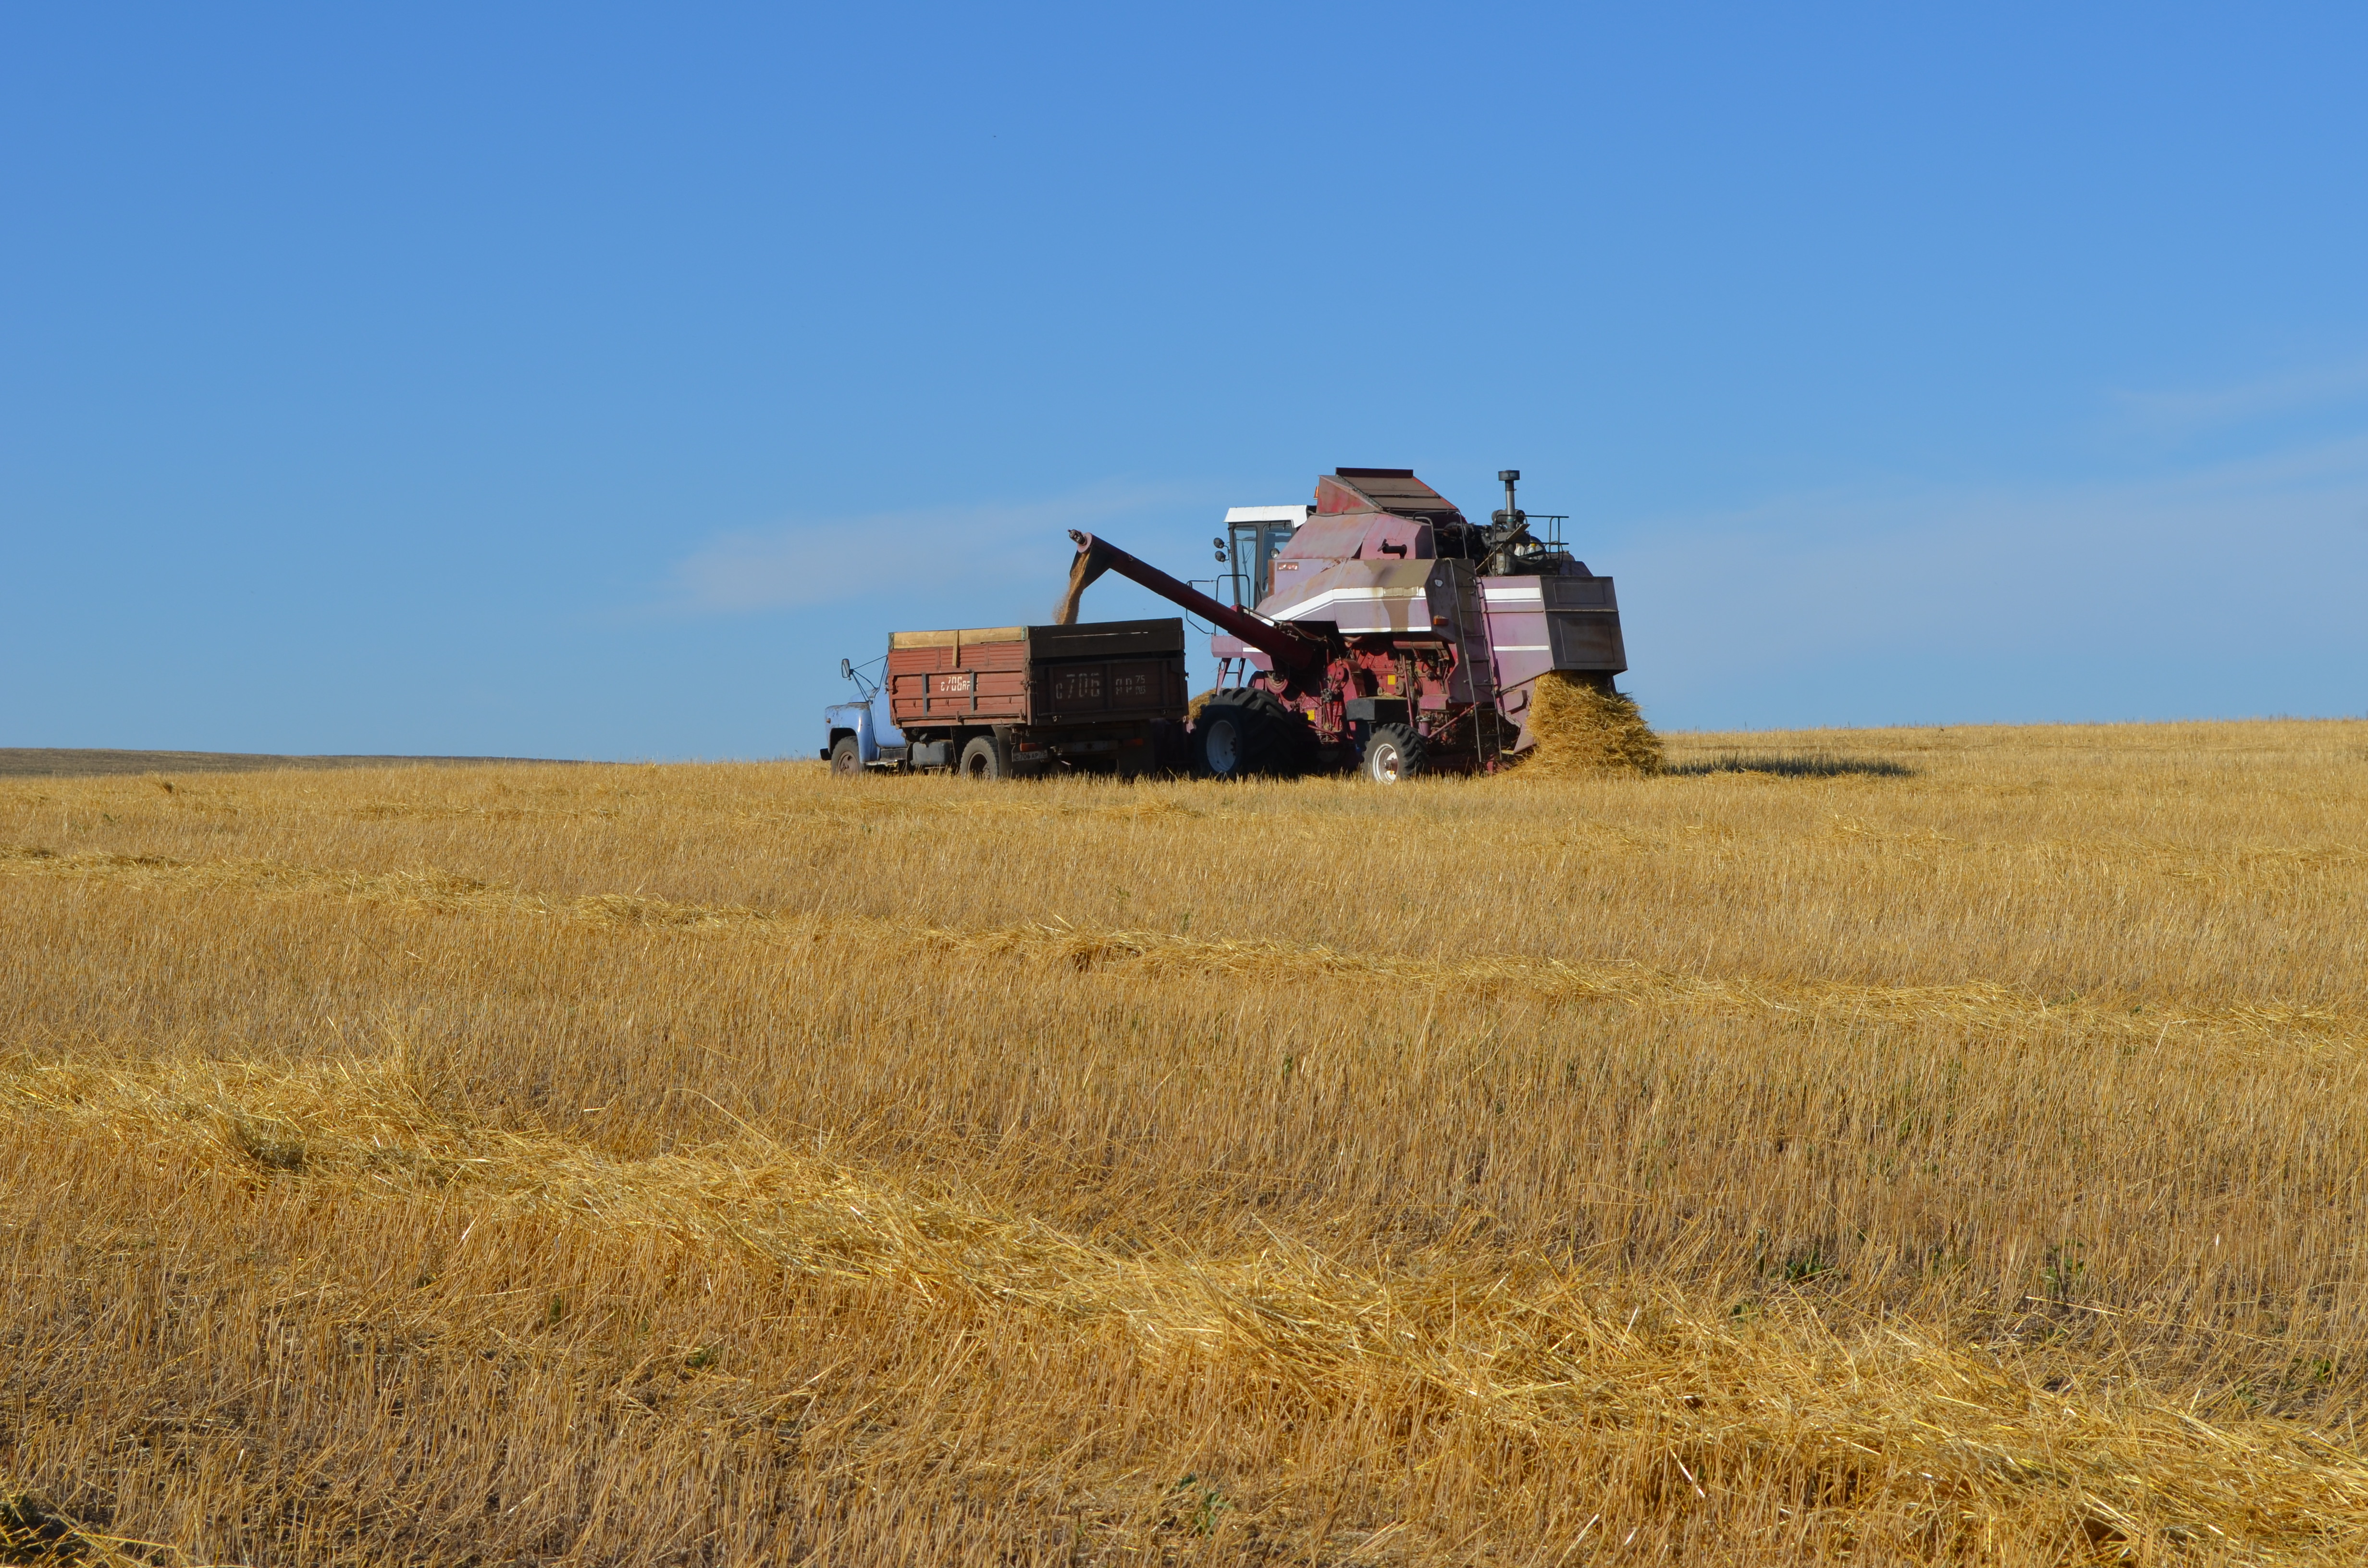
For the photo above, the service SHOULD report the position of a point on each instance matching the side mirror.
(847, 669)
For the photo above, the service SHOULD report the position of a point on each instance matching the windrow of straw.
(1917, 1442)
(2293, 1030)
(1580, 729)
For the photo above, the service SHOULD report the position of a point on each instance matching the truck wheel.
(1395, 752)
(983, 758)
(847, 757)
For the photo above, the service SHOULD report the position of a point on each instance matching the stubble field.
(1913, 1146)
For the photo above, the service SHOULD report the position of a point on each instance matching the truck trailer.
(1006, 701)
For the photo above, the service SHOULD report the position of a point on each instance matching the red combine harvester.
(1389, 633)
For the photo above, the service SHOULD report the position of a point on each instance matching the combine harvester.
(1376, 630)
(1389, 634)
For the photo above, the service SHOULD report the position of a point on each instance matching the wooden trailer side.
(1118, 672)
(959, 678)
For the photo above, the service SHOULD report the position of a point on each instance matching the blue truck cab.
(861, 734)
(854, 722)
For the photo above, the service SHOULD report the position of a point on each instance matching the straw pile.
(1582, 729)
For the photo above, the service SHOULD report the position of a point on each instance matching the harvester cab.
(1254, 537)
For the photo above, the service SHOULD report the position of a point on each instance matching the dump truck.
(1006, 701)
(1379, 628)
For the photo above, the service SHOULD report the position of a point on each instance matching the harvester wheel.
(1224, 741)
(847, 757)
(1395, 752)
(1242, 733)
(1291, 742)
(983, 758)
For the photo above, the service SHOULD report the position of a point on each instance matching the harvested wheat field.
(1913, 1146)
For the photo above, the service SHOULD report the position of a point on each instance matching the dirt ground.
(85, 762)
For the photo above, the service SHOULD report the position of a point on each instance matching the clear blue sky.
(586, 381)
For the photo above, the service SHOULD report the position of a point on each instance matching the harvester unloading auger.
(1390, 633)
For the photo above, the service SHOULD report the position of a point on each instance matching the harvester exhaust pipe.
(1288, 648)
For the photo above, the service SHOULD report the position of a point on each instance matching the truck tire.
(984, 758)
(847, 757)
(1392, 754)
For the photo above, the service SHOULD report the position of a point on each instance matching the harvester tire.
(1291, 741)
(847, 757)
(1393, 753)
(1239, 733)
(984, 758)
(1224, 741)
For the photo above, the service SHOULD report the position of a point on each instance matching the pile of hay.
(1582, 729)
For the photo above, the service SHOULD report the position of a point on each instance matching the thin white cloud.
(2192, 411)
(2233, 587)
(833, 560)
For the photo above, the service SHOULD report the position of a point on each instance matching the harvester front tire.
(983, 758)
(1395, 752)
(847, 757)
(1224, 741)
(1265, 737)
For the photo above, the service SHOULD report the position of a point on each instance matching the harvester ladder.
(1481, 671)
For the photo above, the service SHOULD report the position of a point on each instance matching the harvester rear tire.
(847, 757)
(983, 758)
(1392, 754)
